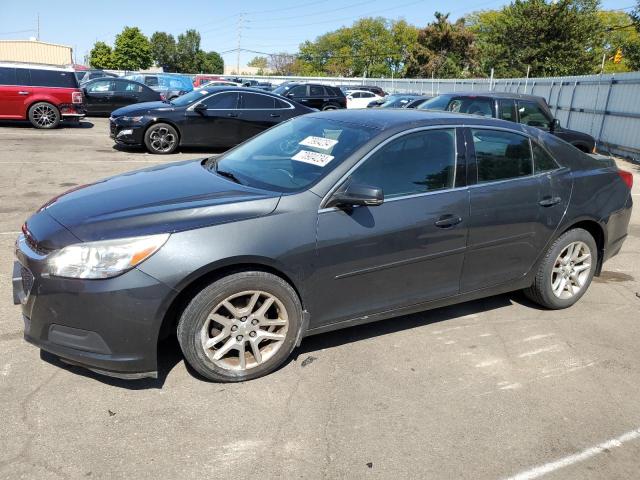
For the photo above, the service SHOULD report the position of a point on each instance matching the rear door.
(317, 97)
(406, 251)
(217, 126)
(505, 235)
(125, 93)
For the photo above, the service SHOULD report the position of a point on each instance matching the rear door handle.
(23, 93)
(447, 221)
(549, 201)
(232, 115)
(275, 115)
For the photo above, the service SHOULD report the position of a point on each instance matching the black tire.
(329, 107)
(541, 292)
(44, 115)
(192, 322)
(161, 139)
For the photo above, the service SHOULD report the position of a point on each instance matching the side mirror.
(200, 108)
(555, 125)
(357, 195)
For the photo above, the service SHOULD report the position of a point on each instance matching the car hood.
(163, 199)
(143, 108)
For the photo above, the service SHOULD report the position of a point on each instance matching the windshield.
(294, 154)
(189, 98)
(436, 103)
(396, 101)
(282, 89)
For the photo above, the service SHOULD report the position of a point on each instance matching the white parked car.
(219, 83)
(360, 98)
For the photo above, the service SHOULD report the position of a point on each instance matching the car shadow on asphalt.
(194, 150)
(169, 354)
(23, 124)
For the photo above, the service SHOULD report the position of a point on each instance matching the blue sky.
(268, 26)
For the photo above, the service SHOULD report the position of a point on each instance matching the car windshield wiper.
(224, 173)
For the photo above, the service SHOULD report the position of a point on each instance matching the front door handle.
(232, 115)
(549, 201)
(447, 221)
(275, 115)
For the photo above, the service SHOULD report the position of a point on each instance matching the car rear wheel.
(329, 107)
(44, 115)
(240, 327)
(161, 138)
(566, 271)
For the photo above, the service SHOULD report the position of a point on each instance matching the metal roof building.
(33, 51)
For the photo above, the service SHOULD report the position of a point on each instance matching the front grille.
(27, 280)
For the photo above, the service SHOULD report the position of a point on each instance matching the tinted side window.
(7, 76)
(151, 81)
(53, 78)
(471, 105)
(100, 86)
(542, 161)
(23, 76)
(506, 110)
(501, 155)
(282, 104)
(252, 100)
(415, 163)
(316, 91)
(531, 114)
(222, 101)
(299, 91)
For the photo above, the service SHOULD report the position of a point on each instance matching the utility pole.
(38, 28)
(240, 18)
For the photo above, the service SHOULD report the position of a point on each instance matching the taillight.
(76, 97)
(627, 177)
(162, 97)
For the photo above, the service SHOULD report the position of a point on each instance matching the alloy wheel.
(44, 116)
(244, 330)
(162, 140)
(571, 270)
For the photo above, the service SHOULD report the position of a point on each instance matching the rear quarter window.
(53, 78)
(7, 76)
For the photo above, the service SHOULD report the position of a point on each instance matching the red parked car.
(200, 80)
(44, 95)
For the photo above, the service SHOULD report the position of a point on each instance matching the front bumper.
(110, 326)
(126, 133)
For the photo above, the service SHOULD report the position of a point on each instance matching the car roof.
(36, 66)
(383, 118)
(509, 95)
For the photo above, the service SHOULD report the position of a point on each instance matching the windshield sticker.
(319, 142)
(314, 158)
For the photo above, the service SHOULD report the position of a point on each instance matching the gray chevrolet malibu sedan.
(325, 221)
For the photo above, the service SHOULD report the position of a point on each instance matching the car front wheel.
(240, 327)
(161, 138)
(44, 115)
(564, 275)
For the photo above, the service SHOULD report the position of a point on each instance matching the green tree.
(101, 56)
(132, 50)
(258, 62)
(210, 62)
(632, 50)
(187, 50)
(163, 49)
(444, 49)
(617, 36)
(403, 38)
(553, 38)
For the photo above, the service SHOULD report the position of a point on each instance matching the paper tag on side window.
(319, 142)
(314, 158)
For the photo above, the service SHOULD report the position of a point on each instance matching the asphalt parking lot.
(491, 389)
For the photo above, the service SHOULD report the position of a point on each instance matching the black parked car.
(514, 107)
(219, 117)
(320, 97)
(84, 76)
(104, 95)
(329, 220)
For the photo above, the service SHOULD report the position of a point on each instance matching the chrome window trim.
(342, 179)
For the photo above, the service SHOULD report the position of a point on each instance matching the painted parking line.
(9, 233)
(24, 134)
(541, 470)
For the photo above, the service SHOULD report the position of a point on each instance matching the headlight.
(133, 119)
(103, 259)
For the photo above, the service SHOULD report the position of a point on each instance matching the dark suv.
(321, 97)
(514, 107)
(41, 94)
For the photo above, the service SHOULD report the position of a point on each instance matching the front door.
(406, 251)
(218, 125)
